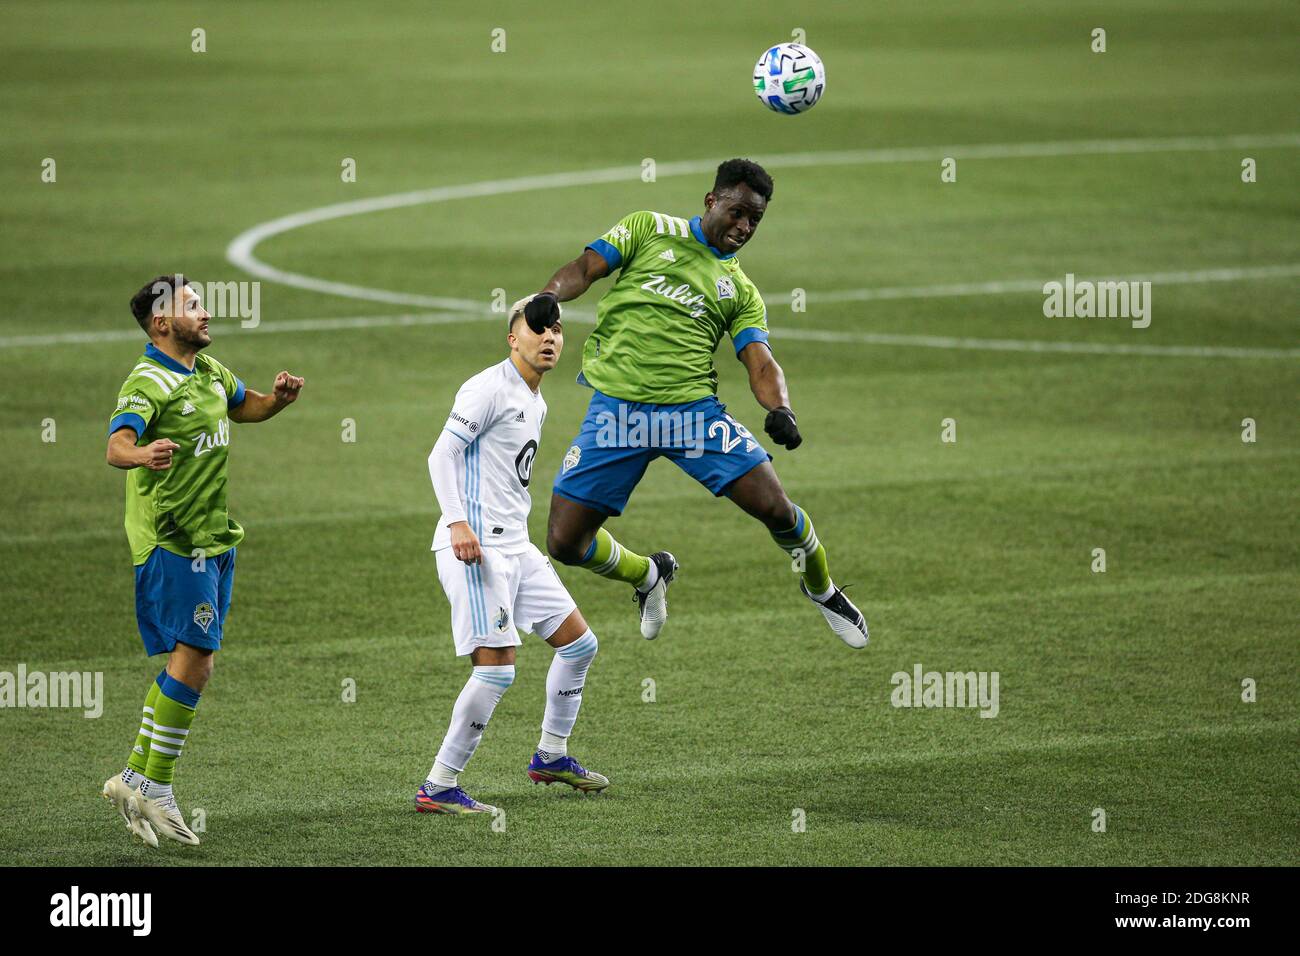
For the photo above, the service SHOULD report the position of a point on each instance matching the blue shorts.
(176, 604)
(619, 439)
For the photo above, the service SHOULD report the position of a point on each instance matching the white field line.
(1021, 345)
(240, 251)
(779, 332)
(482, 313)
(1015, 286)
(265, 328)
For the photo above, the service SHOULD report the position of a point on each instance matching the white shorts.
(506, 591)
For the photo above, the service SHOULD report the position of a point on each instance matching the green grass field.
(1119, 690)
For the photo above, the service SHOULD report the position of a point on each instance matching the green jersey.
(658, 326)
(182, 509)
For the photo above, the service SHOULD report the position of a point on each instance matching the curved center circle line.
(241, 250)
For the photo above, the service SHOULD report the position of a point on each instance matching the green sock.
(610, 559)
(173, 712)
(801, 542)
(140, 752)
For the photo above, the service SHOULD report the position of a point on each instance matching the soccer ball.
(789, 78)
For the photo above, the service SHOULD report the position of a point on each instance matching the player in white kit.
(495, 579)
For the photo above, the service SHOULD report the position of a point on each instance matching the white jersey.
(492, 434)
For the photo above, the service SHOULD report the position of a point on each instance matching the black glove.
(542, 311)
(780, 425)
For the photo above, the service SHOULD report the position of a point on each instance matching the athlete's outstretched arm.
(257, 407)
(767, 382)
(576, 277)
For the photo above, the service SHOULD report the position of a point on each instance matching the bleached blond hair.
(517, 309)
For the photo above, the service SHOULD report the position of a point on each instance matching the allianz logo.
(209, 441)
(683, 293)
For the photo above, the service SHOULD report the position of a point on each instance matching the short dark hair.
(734, 172)
(142, 302)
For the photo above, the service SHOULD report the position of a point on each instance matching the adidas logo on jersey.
(187, 408)
(668, 254)
(520, 417)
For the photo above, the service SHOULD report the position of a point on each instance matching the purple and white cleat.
(566, 770)
(431, 799)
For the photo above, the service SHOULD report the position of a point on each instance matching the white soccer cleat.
(119, 794)
(845, 620)
(654, 603)
(165, 817)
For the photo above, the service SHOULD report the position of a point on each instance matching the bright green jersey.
(658, 326)
(182, 509)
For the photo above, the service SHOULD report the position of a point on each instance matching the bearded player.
(171, 432)
(679, 290)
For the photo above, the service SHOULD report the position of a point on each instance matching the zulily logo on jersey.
(219, 438)
(683, 293)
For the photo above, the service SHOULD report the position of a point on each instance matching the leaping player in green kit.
(650, 360)
(171, 430)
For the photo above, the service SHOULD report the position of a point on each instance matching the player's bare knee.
(190, 665)
(569, 630)
(563, 550)
(778, 513)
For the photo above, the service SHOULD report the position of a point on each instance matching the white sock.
(152, 790)
(469, 717)
(442, 776)
(564, 683)
(552, 747)
(651, 578)
(132, 778)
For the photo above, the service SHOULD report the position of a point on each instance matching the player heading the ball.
(679, 289)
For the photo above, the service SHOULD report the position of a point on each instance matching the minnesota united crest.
(501, 621)
(204, 615)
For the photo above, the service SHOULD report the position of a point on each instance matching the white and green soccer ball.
(789, 78)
